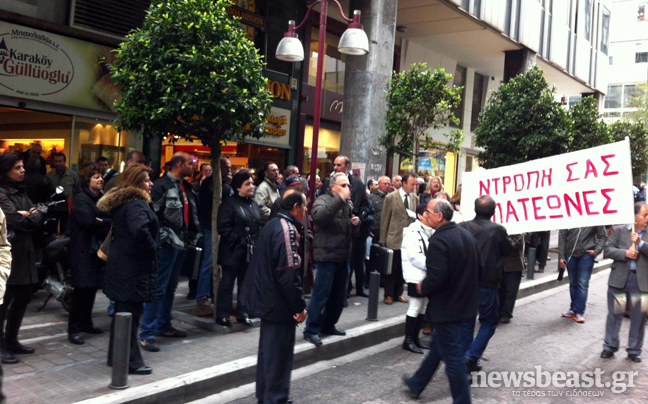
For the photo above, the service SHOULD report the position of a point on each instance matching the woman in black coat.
(88, 229)
(22, 221)
(131, 271)
(239, 220)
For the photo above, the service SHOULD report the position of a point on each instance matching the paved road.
(537, 336)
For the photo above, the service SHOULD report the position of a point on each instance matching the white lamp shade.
(354, 41)
(290, 50)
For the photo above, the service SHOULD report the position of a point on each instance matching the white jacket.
(266, 193)
(5, 256)
(415, 242)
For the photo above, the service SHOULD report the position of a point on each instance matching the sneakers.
(579, 318)
(204, 302)
(150, 345)
(568, 314)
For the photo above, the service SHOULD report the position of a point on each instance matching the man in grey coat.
(628, 280)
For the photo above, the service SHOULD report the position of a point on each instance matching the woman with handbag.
(22, 221)
(131, 270)
(239, 221)
(413, 255)
(88, 229)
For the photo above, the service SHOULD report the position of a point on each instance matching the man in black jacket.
(272, 292)
(176, 208)
(451, 285)
(493, 243)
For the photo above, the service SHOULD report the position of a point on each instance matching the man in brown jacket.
(398, 213)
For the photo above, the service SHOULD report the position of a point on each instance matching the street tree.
(586, 129)
(638, 134)
(189, 71)
(522, 121)
(420, 100)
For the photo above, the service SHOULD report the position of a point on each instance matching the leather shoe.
(473, 365)
(333, 331)
(634, 357)
(405, 379)
(607, 354)
(92, 330)
(505, 320)
(313, 339)
(421, 344)
(225, 322)
(8, 358)
(144, 370)
(409, 345)
(362, 294)
(172, 333)
(245, 321)
(402, 299)
(18, 348)
(76, 339)
(389, 300)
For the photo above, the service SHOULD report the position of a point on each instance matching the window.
(611, 114)
(588, 19)
(334, 64)
(51, 10)
(611, 60)
(459, 80)
(641, 57)
(605, 29)
(575, 100)
(629, 91)
(477, 100)
(613, 97)
(641, 12)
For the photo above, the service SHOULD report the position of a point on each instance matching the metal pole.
(121, 350)
(374, 290)
(318, 97)
(531, 264)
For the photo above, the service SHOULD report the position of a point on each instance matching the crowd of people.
(275, 244)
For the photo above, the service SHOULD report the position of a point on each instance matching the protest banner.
(588, 187)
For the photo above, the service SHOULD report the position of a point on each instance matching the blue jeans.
(580, 271)
(157, 315)
(474, 347)
(329, 294)
(445, 347)
(206, 267)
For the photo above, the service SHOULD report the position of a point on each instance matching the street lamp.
(354, 41)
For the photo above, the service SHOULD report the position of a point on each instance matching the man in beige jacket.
(5, 268)
(398, 213)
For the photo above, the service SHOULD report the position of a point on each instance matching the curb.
(216, 379)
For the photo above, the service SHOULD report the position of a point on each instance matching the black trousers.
(81, 309)
(13, 309)
(274, 362)
(226, 292)
(135, 360)
(508, 291)
(540, 240)
(358, 263)
(394, 283)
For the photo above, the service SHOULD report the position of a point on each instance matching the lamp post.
(354, 41)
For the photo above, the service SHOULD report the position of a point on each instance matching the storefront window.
(334, 64)
(328, 146)
(51, 10)
(435, 163)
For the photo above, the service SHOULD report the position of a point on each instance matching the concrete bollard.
(374, 291)
(121, 351)
(531, 264)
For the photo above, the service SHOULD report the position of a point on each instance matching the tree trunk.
(416, 154)
(217, 273)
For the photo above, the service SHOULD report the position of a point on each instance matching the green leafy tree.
(640, 102)
(419, 100)
(190, 71)
(522, 121)
(586, 128)
(638, 134)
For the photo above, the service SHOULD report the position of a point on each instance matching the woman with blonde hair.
(132, 266)
(434, 186)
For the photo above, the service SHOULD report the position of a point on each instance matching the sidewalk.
(60, 372)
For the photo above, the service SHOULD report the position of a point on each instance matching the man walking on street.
(106, 172)
(577, 250)
(397, 213)
(493, 244)
(452, 287)
(335, 225)
(63, 177)
(272, 291)
(628, 281)
(267, 190)
(175, 206)
(377, 197)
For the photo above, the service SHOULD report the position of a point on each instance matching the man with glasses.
(267, 190)
(335, 225)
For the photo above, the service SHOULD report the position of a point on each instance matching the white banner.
(588, 187)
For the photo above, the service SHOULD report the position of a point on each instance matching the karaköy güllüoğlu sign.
(588, 187)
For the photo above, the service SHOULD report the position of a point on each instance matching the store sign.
(47, 67)
(246, 16)
(279, 90)
(277, 129)
(591, 187)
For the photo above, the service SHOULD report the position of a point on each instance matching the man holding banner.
(628, 247)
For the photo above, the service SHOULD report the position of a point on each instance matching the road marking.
(31, 327)
(54, 369)
(44, 338)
